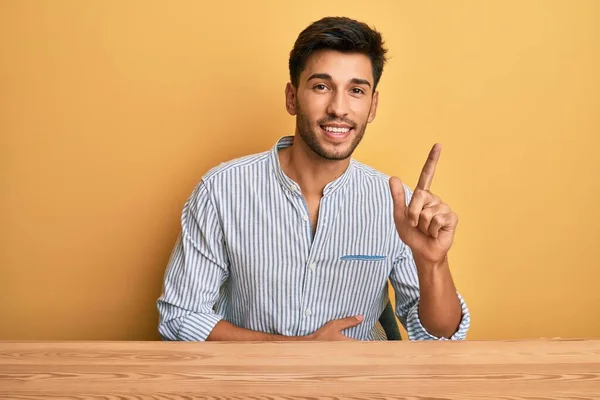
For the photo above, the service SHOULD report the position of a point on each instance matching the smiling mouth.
(336, 131)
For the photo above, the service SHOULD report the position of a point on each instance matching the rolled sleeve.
(197, 269)
(416, 330)
(198, 326)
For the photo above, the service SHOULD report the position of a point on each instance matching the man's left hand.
(426, 225)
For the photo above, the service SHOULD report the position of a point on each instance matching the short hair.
(341, 34)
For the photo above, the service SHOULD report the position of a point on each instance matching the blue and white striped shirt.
(247, 254)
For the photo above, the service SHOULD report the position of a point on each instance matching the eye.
(357, 91)
(320, 87)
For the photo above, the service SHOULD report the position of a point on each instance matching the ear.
(290, 99)
(373, 110)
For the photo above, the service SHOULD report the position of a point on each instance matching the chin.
(335, 153)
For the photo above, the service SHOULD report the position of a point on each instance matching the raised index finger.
(429, 168)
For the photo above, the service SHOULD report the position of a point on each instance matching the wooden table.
(542, 369)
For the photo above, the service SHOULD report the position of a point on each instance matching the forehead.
(341, 66)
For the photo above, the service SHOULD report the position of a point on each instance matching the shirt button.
(305, 218)
(312, 266)
(308, 313)
(292, 188)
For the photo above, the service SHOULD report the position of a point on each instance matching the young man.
(298, 243)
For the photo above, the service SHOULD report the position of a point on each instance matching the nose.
(338, 105)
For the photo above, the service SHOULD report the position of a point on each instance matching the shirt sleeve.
(197, 269)
(405, 282)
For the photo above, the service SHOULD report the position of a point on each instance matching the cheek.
(360, 108)
(314, 106)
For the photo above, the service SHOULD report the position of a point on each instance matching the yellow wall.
(111, 111)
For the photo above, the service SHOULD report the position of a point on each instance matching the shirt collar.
(288, 184)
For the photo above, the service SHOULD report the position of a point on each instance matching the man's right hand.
(333, 329)
(226, 331)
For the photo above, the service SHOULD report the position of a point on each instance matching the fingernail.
(359, 317)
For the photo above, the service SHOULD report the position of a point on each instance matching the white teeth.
(337, 130)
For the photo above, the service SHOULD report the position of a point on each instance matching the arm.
(197, 268)
(225, 331)
(439, 306)
(426, 227)
(329, 332)
(427, 303)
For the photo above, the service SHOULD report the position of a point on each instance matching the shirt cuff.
(197, 327)
(416, 330)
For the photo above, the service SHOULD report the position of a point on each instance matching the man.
(298, 243)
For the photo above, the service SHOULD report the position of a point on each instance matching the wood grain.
(542, 369)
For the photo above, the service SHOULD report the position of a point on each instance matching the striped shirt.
(246, 254)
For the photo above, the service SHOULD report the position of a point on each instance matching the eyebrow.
(327, 77)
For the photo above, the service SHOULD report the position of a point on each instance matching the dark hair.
(341, 34)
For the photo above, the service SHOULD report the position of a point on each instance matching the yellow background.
(111, 111)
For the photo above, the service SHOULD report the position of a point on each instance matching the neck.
(311, 171)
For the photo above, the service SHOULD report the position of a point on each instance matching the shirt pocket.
(360, 276)
(370, 270)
